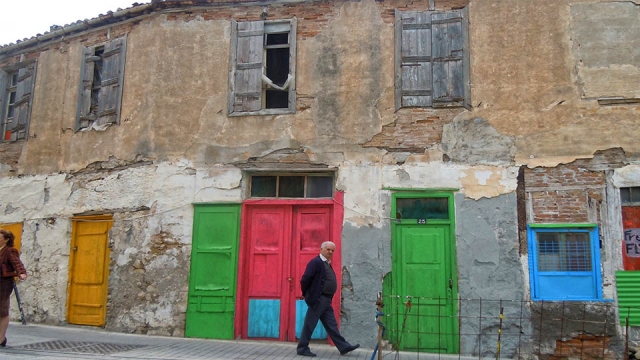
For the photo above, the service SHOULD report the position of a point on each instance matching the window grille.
(564, 251)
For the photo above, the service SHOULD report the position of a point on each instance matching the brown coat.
(10, 263)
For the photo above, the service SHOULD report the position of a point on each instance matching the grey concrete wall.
(490, 275)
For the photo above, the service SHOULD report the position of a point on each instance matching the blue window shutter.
(549, 283)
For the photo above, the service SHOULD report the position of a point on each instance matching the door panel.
(264, 316)
(16, 230)
(269, 228)
(312, 227)
(89, 271)
(212, 280)
(319, 332)
(280, 239)
(424, 275)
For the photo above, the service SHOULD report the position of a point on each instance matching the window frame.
(541, 281)
(631, 195)
(306, 175)
(100, 113)
(25, 73)
(421, 93)
(253, 79)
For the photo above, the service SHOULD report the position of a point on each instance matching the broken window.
(432, 59)
(16, 93)
(100, 90)
(292, 186)
(262, 73)
(564, 262)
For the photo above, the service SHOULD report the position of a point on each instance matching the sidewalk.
(35, 341)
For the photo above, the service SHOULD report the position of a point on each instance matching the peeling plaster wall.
(150, 237)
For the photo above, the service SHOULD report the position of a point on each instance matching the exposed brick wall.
(414, 129)
(564, 194)
(584, 347)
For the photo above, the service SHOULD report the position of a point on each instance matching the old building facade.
(171, 167)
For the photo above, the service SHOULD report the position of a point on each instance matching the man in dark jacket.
(319, 284)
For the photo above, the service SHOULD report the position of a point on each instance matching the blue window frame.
(564, 262)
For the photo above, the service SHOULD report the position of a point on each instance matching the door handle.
(75, 248)
(450, 283)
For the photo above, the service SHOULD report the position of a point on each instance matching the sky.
(26, 18)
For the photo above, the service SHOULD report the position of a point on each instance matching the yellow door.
(88, 270)
(16, 229)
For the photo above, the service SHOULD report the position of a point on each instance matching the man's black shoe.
(349, 349)
(307, 353)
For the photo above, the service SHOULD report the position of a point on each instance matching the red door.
(630, 248)
(278, 241)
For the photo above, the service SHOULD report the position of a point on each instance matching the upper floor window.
(432, 59)
(16, 93)
(564, 262)
(100, 89)
(263, 58)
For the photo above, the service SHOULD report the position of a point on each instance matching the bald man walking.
(319, 284)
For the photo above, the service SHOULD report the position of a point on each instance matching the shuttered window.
(432, 59)
(100, 89)
(262, 76)
(16, 94)
(564, 262)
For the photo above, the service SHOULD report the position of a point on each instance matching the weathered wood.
(84, 88)
(447, 57)
(22, 106)
(466, 59)
(248, 72)
(415, 59)
(111, 89)
(431, 60)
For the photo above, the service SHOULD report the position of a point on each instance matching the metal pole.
(15, 289)
(499, 330)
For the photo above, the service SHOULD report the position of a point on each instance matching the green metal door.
(424, 276)
(214, 264)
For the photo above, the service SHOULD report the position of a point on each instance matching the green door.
(214, 264)
(424, 275)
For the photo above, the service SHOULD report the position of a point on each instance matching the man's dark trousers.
(324, 313)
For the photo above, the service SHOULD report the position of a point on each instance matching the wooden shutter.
(246, 66)
(292, 63)
(84, 116)
(432, 59)
(413, 59)
(22, 106)
(112, 77)
(447, 52)
(4, 83)
(466, 58)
